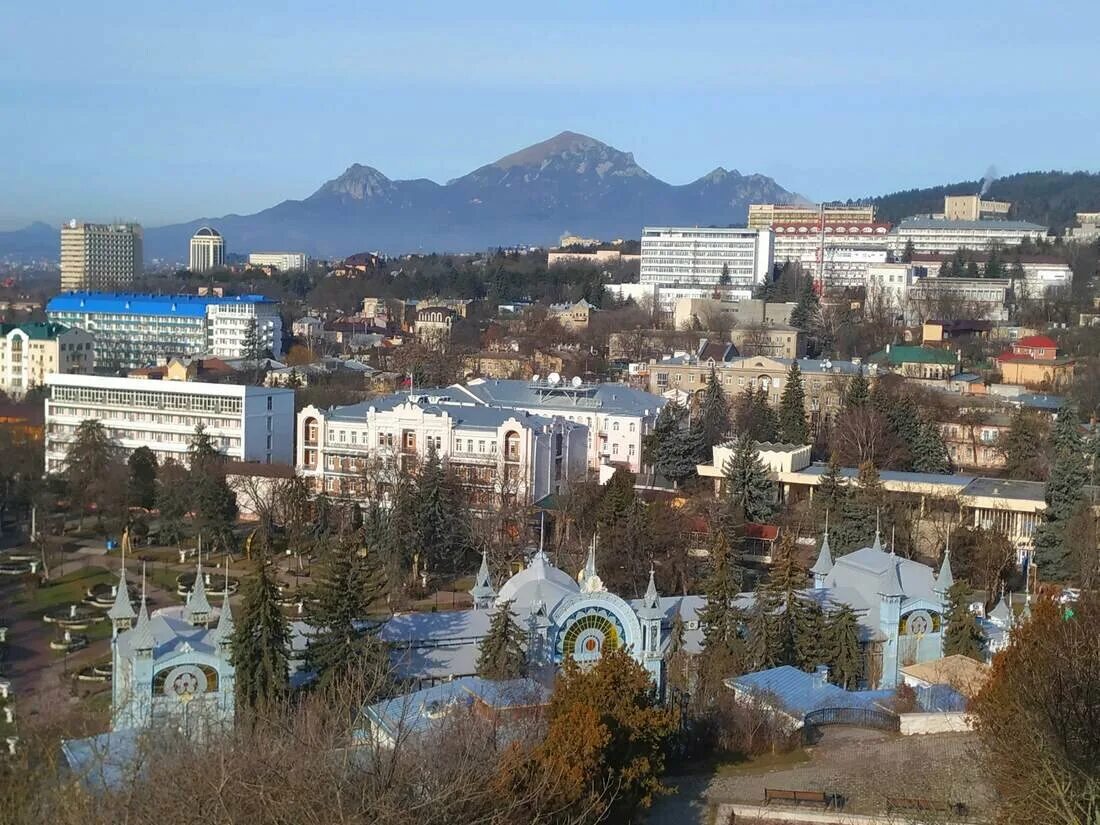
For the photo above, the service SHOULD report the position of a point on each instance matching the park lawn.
(67, 589)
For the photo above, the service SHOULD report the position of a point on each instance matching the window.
(632, 426)
(614, 449)
(269, 401)
(615, 426)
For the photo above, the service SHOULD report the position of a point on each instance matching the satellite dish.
(577, 381)
(535, 378)
(553, 379)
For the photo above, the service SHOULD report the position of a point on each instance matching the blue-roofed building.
(505, 704)
(136, 330)
(618, 417)
(795, 692)
(502, 457)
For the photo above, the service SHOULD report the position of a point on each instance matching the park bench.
(826, 800)
(907, 803)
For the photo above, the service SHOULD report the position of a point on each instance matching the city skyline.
(833, 103)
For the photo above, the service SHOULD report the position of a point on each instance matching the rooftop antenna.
(893, 532)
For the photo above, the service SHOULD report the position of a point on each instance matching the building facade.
(768, 215)
(839, 252)
(703, 257)
(100, 256)
(974, 208)
(133, 330)
(31, 352)
(617, 417)
(944, 237)
(502, 459)
(207, 250)
(245, 423)
(282, 261)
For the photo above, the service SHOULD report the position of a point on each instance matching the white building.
(282, 261)
(100, 256)
(943, 237)
(207, 250)
(892, 281)
(30, 352)
(696, 257)
(841, 253)
(618, 417)
(133, 330)
(246, 423)
(500, 457)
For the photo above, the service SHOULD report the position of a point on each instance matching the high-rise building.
(768, 215)
(207, 250)
(100, 256)
(282, 261)
(691, 262)
(138, 330)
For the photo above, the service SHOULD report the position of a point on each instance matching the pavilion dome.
(207, 232)
(539, 581)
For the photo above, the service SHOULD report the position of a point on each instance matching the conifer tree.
(261, 642)
(671, 448)
(351, 581)
(792, 409)
(1064, 492)
(928, 452)
(439, 515)
(143, 478)
(963, 636)
(618, 496)
(845, 656)
(211, 500)
(714, 412)
(676, 634)
(859, 513)
(763, 645)
(1022, 446)
(502, 656)
(858, 392)
(786, 583)
(746, 483)
(720, 619)
(811, 633)
(753, 417)
(806, 307)
(833, 489)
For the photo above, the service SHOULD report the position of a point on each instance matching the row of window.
(146, 399)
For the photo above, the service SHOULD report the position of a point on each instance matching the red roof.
(765, 532)
(1039, 341)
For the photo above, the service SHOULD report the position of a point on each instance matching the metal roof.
(133, 303)
(992, 226)
(465, 415)
(614, 399)
(799, 692)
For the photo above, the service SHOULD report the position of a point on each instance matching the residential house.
(918, 362)
(1034, 362)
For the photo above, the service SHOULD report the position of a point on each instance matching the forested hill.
(1047, 198)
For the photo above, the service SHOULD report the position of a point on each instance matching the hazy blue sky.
(166, 111)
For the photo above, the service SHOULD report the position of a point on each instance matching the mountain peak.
(565, 143)
(358, 182)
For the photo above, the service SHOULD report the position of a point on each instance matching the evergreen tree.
(792, 409)
(90, 461)
(763, 649)
(724, 278)
(173, 501)
(502, 656)
(832, 491)
(617, 498)
(670, 449)
(676, 634)
(859, 513)
(963, 636)
(351, 580)
(806, 307)
(786, 583)
(753, 417)
(858, 391)
(213, 503)
(439, 515)
(908, 253)
(811, 633)
(1064, 492)
(261, 642)
(1022, 446)
(714, 414)
(746, 483)
(928, 451)
(720, 619)
(143, 478)
(845, 656)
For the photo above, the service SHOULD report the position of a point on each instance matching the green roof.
(914, 355)
(37, 331)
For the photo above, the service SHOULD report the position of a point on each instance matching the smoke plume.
(987, 180)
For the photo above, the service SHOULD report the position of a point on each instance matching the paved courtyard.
(865, 766)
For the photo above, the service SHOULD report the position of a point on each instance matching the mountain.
(1047, 198)
(39, 241)
(569, 183)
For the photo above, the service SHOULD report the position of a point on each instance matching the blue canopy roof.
(134, 303)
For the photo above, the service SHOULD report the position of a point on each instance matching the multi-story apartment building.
(30, 352)
(132, 330)
(207, 250)
(840, 253)
(1087, 229)
(974, 439)
(502, 458)
(618, 417)
(949, 298)
(943, 237)
(824, 381)
(100, 256)
(246, 423)
(282, 261)
(768, 215)
(705, 258)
